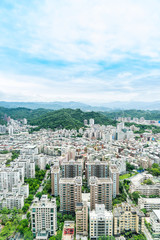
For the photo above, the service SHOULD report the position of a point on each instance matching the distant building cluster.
(85, 168)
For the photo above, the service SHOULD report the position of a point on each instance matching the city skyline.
(85, 51)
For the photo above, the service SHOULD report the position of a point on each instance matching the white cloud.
(83, 32)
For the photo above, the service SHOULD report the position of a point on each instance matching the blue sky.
(80, 50)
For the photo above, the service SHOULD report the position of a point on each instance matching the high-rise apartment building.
(22, 189)
(101, 222)
(97, 168)
(55, 176)
(8, 178)
(85, 122)
(91, 121)
(11, 200)
(127, 218)
(114, 175)
(82, 219)
(71, 169)
(101, 192)
(28, 164)
(70, 193)
(44, 217)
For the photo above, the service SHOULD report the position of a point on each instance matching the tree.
(106, 238)
(47, 166)
(58, 236)
(37, 168)
(23, 225)
(135, 196)
(148, 182)
(25, 207)
(144, 210)
(155, 165)
(139, 237)
(39, 195)
(28, 235)
(28, 215)
(5, 210)
(129, 167)
(4, 219)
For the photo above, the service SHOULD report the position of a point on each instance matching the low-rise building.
(149, 203)
(155, 223)
(68, 230)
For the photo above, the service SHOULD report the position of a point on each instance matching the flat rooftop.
(69, 224)
(157, 213)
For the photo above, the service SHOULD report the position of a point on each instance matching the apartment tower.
(101, 192)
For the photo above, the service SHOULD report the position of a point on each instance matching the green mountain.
(63, 118)
(69, 119)
(20, 113)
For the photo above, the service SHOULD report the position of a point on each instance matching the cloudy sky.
(93, 51)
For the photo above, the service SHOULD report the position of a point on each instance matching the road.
(45, 178)
(128, 199)
(147, 234)
(39, 190)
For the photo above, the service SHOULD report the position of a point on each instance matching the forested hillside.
(64, 118)
(69, 118)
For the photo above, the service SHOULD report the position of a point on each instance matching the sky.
(91, 51)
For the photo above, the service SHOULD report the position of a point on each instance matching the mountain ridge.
(112, 106)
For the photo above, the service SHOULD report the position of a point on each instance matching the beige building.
(71, 169)
(55, 175)
(101, 192)
(70, 193)
(127, 217)
(97, 168)
(82, 219)
(101, 222)
(114, 175)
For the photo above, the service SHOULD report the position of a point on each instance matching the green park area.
(127, 175)
(122, 177)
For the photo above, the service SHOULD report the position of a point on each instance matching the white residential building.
(11, 201)
(101, 222)
(149, 203)
(155, 223)
(44, 217)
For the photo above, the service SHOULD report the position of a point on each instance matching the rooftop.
(157, 213)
